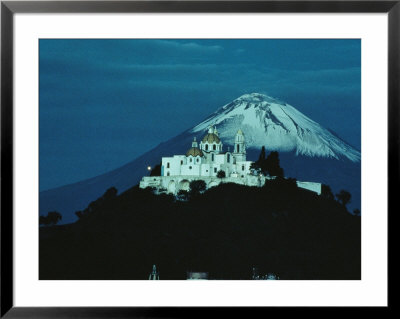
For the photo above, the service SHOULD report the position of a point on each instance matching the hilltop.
(225, 231)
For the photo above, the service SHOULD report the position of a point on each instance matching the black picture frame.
(9, 8)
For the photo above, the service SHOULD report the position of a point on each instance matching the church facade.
(207, 161)
(208, 158)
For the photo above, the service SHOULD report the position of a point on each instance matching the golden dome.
(211, 138)
(194, 151)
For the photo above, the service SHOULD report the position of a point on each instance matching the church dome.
(211, 138)
(194, 151)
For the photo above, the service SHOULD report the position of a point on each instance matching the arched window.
(228, 158)
(212, 157)
(168, 174)
(214, 147)
(181, 162)
(197, 160)
(237, 148)
(206, 147)
(191, 160)
(167, 165)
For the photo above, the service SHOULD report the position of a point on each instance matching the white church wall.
(172, 184)
(191, 169)
(166, 165)
(205, 169)
(242, 168)
(190, 160)
(228, 158)
(180, 159)
(219, 159)
(214, 169)
(171, 167)
(226, 168)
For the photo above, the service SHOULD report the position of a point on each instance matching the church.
(208, 158)
(207, 161)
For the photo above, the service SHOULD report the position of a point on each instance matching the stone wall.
(173, 184)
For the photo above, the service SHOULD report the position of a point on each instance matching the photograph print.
(199, 159)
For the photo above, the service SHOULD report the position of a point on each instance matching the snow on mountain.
(276, 125)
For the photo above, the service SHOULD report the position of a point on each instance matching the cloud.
(113, 79)
(120, 66)
(189, 46)
(99, 52)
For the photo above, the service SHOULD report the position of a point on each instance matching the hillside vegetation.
(225, 231)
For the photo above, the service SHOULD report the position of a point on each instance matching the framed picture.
(163, 155)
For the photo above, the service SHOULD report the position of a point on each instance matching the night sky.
(105, 102)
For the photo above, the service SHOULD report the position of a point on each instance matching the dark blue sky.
(105, 102)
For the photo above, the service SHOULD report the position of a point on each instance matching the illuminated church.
(208, 162)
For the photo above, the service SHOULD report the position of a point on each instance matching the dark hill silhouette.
(225, 231)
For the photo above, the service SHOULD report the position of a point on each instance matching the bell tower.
(240, 147)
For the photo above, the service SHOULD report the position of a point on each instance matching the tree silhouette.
(156, 171)
(272, 166)
(326, 192)
(261, 157)
(79, 214)
(110, 193)
(260, 163)
(221, 174)
(357, 212)
(268, 165)
(255, 166)
(197, 187)
(183, 195)
(343, 197)
(52, 218)
(43, 220)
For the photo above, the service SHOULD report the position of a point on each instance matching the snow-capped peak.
(269, 122)
(257, 97)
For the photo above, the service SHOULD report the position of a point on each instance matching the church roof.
(211, 138)
(194, 151)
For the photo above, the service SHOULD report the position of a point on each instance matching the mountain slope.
(307, 151)
(278, 126)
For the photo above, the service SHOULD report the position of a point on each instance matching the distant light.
(149, 168)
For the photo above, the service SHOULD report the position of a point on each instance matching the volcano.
(277, 126)
(308, 152)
